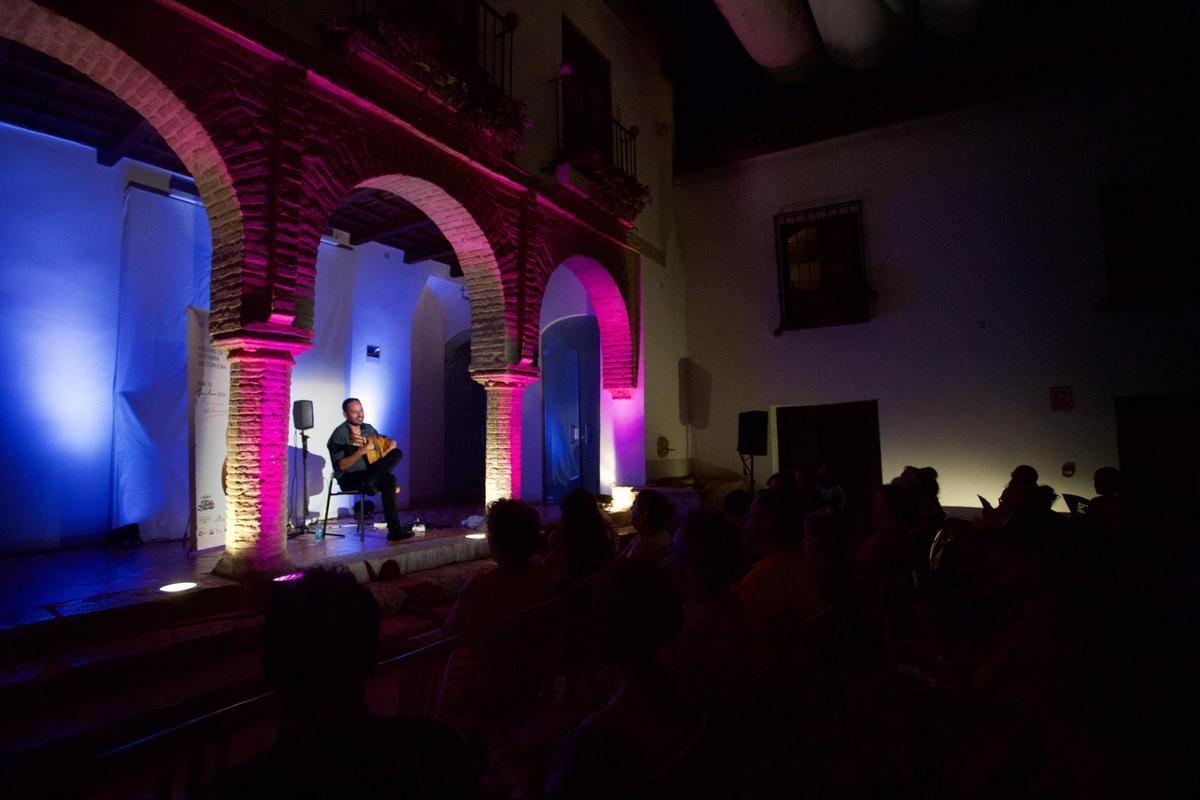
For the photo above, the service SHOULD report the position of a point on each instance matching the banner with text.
(208, 417)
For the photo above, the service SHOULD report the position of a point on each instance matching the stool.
(362, 495)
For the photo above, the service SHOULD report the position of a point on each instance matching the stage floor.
(46, 586)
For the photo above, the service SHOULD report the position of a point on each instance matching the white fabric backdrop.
(165, 264)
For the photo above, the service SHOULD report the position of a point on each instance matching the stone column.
(260, 376)
(502, 448)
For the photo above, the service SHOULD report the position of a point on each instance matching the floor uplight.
(476, 536)
(182, 586)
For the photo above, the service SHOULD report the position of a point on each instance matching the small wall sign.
(1062, 398)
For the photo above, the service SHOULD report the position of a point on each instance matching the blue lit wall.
(60, 245)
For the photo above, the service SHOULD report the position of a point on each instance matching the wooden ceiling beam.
(433, 251)
(120, 146)
(392, 228)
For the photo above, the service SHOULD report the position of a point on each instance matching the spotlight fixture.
(288, 576)
(182, 586)
(476, 536)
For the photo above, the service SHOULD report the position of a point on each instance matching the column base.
(242, 568)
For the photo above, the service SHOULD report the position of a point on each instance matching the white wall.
(441, 313)
(984, 241)
(60, 248)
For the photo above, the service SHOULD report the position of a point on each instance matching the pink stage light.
(288, 576)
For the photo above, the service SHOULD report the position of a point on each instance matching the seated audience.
(646, 723)
(515, 583)
(1021, 494)
(830, 497)
(1109, 503)
(737, 506)
(783, 587)
(651, 516)
(893, 518)
(827, 542)
(320, 639)
(582, 543)
(719, 648)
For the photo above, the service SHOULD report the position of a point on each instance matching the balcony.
(597, 146)
(458, 52)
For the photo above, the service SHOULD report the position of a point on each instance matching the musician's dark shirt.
(341, 445)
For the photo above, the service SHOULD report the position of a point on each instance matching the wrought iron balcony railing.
(585, 130)
(473, 38)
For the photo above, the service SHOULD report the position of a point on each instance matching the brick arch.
(481, 270)
(618, 345)
(80, 48)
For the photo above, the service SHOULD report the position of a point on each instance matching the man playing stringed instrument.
(362, 459)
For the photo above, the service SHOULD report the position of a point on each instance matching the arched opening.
(463, 424)
(581, 287)
(398, 277)
(570, 406)
(108, 179)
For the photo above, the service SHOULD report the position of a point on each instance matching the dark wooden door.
(846, 434)
(465, 421)
(1158, 441)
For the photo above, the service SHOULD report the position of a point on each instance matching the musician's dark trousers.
(379, 477)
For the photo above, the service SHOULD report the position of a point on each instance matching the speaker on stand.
(302, 419)
(752, 440)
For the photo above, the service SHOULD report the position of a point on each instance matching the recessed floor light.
(476, 536)
(182, 586)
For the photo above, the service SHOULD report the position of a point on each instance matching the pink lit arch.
(618, 350)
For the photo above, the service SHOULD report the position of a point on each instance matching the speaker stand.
(748, 468)
(303, 529)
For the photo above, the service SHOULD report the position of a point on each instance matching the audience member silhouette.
(737, 506)
(582, 543)
(513, 529)
(830, 497)
(893, 517)
(651, 517)
(320, 640)
(515, 584)
(1021, 494)
(784, 586)
(719, 647)
(646, 723)
(827, 542)
(1109, 503)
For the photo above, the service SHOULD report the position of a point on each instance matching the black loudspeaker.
(302, 414)
(752, 433)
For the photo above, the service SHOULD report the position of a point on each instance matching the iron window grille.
(822, 267)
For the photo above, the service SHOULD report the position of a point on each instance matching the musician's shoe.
(399, 533)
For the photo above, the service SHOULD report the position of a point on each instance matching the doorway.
(465, 424)
(571, 407)
(844, 434)
(1158, 437)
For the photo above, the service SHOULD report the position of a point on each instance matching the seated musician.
(362, 459)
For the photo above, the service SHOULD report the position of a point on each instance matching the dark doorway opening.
(465, 425)
(571, 407)
(587, 98)
(1158, 439)
(845, 434)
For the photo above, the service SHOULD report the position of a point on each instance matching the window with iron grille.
(822, 269)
